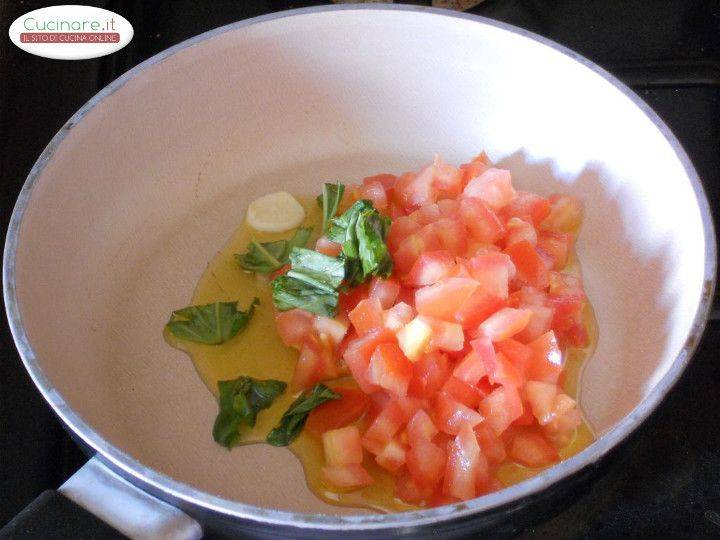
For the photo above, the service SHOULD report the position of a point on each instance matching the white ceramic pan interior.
(147, 182)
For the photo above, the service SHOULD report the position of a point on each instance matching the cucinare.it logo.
(71, 32)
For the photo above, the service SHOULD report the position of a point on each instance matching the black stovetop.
(666, 481)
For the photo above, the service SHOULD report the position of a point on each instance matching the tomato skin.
(426, 462)
(451, 414)
(429, 374)
(482, 223)
(462, 392)
(348, 300)
(385, 291)
(504, 323)
(531, 269)
(546, 360)
(461, 471)
(367, 316)
(445, 298)
(336, 413)
(357, 356)
(390, 369)
(501, 408)
(420, 427)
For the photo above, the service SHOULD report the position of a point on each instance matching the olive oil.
(258, 352)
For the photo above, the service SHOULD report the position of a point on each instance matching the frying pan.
(143, 185)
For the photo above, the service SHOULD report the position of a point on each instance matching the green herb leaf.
(343, 228)
(294, 418)
(267, 257)
(329, 201)
(371, 231)
(316, 269)
(240, 402)
(290, 293)
(211, 324)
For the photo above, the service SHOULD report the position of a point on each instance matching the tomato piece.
(410, 405)
(491, 445)
(420, 427)
(539, 323)
(450, 414)
(492, 271)
(367, 316)
(348, 300)
(430, 267)
(414, 190)
(462, 392)
(426, 462)
(562, 429)
(390, 369)
(337, 413)
(398, 316)
(400, 228)
(335, 329)
(541, 397)
(357, 357)
(565, 214)
(517, 230)
(532, 450)
(546, 361)
(327, 247)
(293, 326)
(494, 186)
(386, 180)
(449, 208)
(429, 374)
(444, 298)
(426, 214)
(527, 206)
(505, 323)
(392, 457)
(463, 460)
(474, 169)
(342, 446)
(309, 368)
(472, 368)
(384, 427)
(560, 284)
(501, 408)
(447, 179)
(517, 353)
(482, 223)
(530, 267)
(411, 247)
(346, 476)
(501, 371)
(374, 191)
(478, 307)
(414, 338)
(384, 290)
(452, 235)
(408, 490)
(446, 336)
(557, 246)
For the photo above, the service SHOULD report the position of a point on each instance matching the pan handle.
(97, 503)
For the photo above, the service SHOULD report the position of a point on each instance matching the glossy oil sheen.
(258, 352)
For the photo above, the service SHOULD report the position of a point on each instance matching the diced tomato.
(501, 371)
(420, 427)
(473, 169)
(348, 300)
(384, 427)
(398, 316)
(452, 235)
(430, 267)
(528, 207)
(473, 367)
(429, 374)
(390, 369)
(526, 418)
(346, 476)
(539, 323)
(532, 450)
(450, 414)
(546, 361)
(386, 180)
(385, 290)
(464, 393)
(357, 357)
(400, 228)
(374, 191)
(326, 247)
(410, 405)
(449, 208)
(445, 298)
(480, 220)
(517, 353)
(426, 462)
(501, 408)
(414, 338)
(567, 311)
(414, 190)
(562, 429)
(492, 271)
(494, 186)
(518, 230)
(447, 179)
(491, 445)
(555, 245)
(565, 214)
(560, 284)
(445, 336)
(309, 368)
(426, 214)
(412, 246)
(342, 446)
(367, 316)
(577, 335)
(478, 307)
(408, 490)
(337, 413)
(293, 326)
(461, 471)
(530, 267)
(335, 329)
(392, 457)
(505, 323)
(541, 397)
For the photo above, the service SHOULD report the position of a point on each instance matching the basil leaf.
(267, 257)
(211, 324)
(240, 402)
(289, 293)
(371, 231)
(343, 228)
(329, 201)
(295, 417)
(316, 269)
